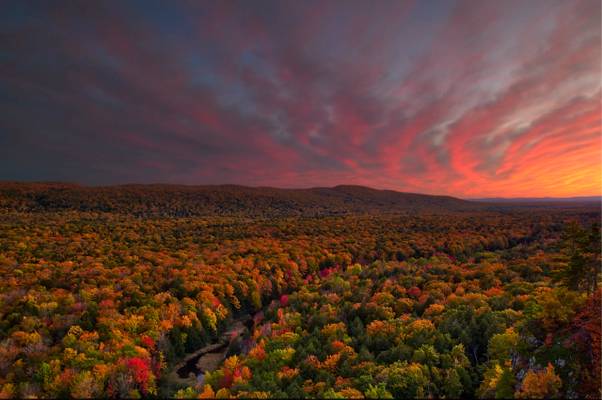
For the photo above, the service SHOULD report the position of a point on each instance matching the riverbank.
(190, 371)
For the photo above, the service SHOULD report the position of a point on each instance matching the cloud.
(469, 98)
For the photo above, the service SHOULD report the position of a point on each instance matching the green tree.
(584, 264)
(378, 392)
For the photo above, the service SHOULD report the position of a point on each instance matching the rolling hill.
(181, 200)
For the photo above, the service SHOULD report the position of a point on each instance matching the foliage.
(105, 298)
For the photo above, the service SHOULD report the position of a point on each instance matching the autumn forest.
(116, 292)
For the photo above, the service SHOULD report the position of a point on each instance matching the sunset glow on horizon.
(463, 98)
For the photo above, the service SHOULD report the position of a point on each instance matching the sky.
(465, 98)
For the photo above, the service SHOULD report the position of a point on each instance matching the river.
(192, 369)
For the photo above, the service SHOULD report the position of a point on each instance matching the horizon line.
(476, 198)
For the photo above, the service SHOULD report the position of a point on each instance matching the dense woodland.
(227, 200)
(346, 302)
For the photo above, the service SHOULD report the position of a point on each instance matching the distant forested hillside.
(179, 200)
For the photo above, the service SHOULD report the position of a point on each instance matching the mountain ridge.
(188, 200)
(537, 199)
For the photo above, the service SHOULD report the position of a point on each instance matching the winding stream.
(208, 358)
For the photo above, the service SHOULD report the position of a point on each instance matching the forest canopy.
(488, 303)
